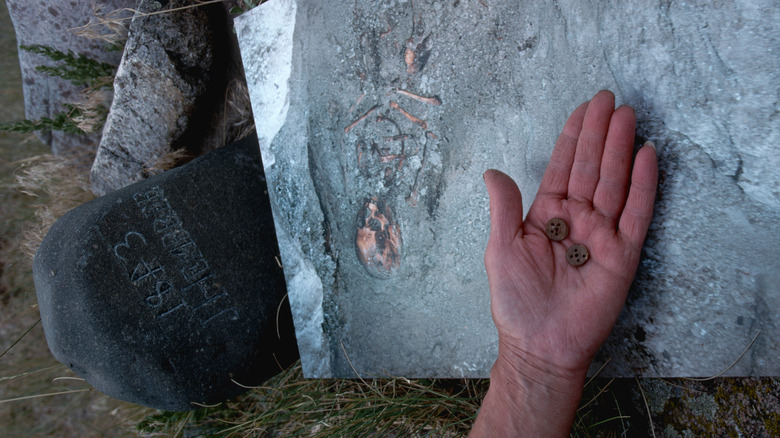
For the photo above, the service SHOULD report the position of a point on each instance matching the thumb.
(506, 206)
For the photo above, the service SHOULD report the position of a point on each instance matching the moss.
(720, 407)
(703, 406)
(772, 424)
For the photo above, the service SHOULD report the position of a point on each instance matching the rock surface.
(181, 83)
(50, 24)
(499, 81)
(167, 292)
(164, 72)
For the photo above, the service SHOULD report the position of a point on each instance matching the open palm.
(547, 311)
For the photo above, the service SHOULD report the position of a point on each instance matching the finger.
(638, 211)
(610, 195)
(506, 206)
(555, 181)
(590, 145)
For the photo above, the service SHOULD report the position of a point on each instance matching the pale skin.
(553, 317)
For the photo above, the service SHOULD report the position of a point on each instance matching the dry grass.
(58, 184)
(168, 161)
(94, 104)
(289, 405)
(238, 121)
(112, 26)
(107, 26)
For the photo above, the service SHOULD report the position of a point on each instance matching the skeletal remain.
(360, 119)
(360, 99)
(399, 137)
(409, 60)
(416, 53)
(433, 100)
(384, 118)
(423, 124)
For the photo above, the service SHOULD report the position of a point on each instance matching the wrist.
(529, 397)
(538, 390)
(514, 365)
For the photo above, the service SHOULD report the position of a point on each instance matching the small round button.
(577, 255)
(556, 229)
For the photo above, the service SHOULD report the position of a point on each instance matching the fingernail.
(651, 144)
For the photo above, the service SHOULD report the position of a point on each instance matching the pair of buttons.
(556, 230)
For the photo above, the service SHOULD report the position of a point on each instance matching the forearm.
(525, 400)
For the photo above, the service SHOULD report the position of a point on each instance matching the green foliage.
(65, 121)
(78, 69)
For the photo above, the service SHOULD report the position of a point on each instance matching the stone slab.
(168, 292)
(328, 82)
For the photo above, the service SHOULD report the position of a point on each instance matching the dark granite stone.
(167, 292)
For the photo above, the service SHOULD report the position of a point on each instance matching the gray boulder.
(164, 72)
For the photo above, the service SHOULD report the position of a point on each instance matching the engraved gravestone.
(167, 292)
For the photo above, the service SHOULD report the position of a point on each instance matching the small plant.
(78, 69)
(82, 118)
(66, 121)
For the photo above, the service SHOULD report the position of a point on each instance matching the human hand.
(541, 305)
(552, 317)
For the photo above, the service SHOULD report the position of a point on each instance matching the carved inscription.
(201, 293)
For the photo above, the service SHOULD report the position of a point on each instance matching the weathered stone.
(163, 74)
(51, 24)
(500, 79)
(167, 292)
